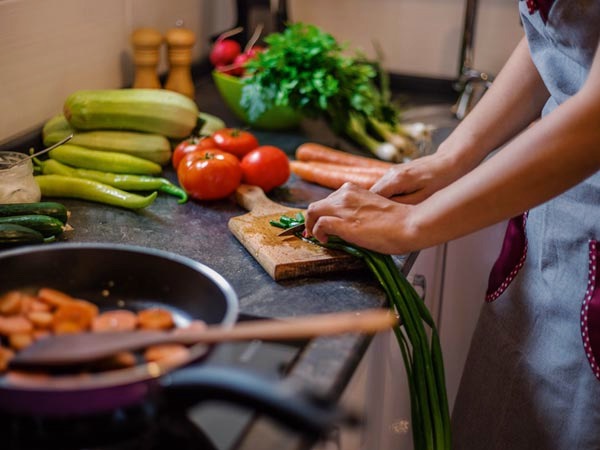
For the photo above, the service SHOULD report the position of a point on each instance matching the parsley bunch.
(306, 69)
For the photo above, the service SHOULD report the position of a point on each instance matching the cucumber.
(46, 225)
(153, 147)
(158, 111)
(11, 235)
(52, 209)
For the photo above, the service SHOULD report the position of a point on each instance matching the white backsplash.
(50, 48)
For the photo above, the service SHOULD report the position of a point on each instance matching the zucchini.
(209, 123)
(153, 147)
(158, 111)
(46, 225)
(11, 234)
(52, 209)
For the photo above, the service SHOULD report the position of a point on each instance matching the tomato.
(266, 166)
(191, 145)
(210, 174)
(235, 141)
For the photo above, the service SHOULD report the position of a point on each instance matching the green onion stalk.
(422, 354)
(356, 129)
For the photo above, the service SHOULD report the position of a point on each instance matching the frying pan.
(137, 278)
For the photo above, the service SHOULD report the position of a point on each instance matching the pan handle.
(300, 412)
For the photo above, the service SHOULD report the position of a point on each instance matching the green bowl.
(276, 118)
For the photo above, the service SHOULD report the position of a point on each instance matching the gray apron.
(532, 377)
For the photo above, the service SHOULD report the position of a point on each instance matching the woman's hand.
(362, 218)
(413, 182)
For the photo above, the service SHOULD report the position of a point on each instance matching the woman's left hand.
(362, 218)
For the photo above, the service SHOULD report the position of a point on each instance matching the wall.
(48, 49)
(418, 37)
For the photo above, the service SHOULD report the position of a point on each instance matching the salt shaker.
(179, 49)
(146, 55)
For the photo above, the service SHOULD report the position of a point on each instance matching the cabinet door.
(467, 265)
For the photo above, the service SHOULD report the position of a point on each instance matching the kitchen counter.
(199, 230)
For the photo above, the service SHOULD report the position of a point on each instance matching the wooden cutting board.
(283, 257)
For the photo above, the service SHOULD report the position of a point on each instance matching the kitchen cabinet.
(452, 278)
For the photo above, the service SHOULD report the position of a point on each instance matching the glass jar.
(17, 184)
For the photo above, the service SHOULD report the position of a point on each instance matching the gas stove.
(208, 425)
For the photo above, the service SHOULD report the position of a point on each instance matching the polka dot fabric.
(590, 312)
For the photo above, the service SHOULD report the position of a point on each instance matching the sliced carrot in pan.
(155, 319)
(72, 317)
(115, 320)
(166, 353)
(14, 324)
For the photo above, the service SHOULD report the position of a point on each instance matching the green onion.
(422, 355)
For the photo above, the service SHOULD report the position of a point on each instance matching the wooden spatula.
(281, 257)
(76, 349)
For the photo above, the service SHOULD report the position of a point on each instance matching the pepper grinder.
(179, 48)
(146, 55)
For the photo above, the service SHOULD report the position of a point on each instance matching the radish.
(237, 68)
(225, 50)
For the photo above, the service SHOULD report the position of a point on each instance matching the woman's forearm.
(553, 155)
(513, 102)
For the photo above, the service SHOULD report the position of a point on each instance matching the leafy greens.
(306, 69)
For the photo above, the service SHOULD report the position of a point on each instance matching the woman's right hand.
(413, 182)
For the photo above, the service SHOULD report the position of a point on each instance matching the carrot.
(54, 297)
(121, 360)
(312, 151)
(19, 341)
(91, 307)
(14, 324)
(166, 352)
(379, 171)
(332, 176)
(31, 304)
(116, 320)
(72, 317)
(5, 356)
(10, 303)
(26, 378)
(155, 319)
(41, 319)
(194, 325)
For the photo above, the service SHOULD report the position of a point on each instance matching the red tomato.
(210, 174)
(266, 166)
(235, 141)
(191, 145)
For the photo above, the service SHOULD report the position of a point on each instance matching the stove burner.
(176, 424)
(136, 428)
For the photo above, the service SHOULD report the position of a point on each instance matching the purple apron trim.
(590, 312)
(511, 259)
(542, 5)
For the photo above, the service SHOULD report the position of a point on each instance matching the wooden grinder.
(146, 55)
(179, 44)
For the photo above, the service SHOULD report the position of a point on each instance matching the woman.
(532, 378)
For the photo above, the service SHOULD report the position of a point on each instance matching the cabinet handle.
(419, 282)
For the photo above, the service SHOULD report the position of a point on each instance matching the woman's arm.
(550, 157)
(514, 100)
(554, 154)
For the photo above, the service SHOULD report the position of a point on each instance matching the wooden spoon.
(76, 349)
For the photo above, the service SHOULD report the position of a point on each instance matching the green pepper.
(81, 188)
(122, 181)
(84, 158)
